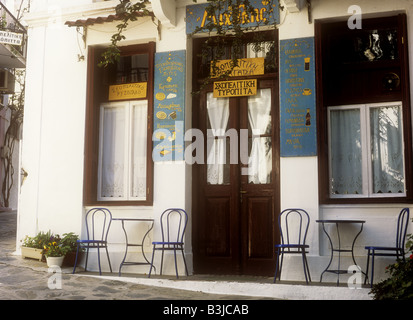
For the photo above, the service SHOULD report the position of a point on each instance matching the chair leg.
(87, 256)
(367, 266)
(372, 268)
(304, 266)
(176, 264)
(163, 247)
(307, 268)
(77, 252)
(276, 266)
(100, 271)
(107, 254)
(153, 255)
(186, 267)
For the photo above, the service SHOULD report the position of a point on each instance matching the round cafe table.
(339, 249)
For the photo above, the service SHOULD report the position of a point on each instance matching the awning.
(98, 20)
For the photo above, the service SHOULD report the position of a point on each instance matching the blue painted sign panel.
(169, 106)
(266, 12)
(297, 98)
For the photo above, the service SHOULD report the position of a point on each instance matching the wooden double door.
(236, 188)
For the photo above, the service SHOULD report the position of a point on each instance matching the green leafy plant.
(55, 247)
(38, 241)
(399, 286)
(70, 240)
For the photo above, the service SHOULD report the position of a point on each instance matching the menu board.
(297, 98)
(169, 106)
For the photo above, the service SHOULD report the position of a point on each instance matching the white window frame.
(367, 179)
(128, 162)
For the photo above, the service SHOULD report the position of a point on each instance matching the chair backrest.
(293, 225)
(173, 225)
(98, 221)
(402, 223)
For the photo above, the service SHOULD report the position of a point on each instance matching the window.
(118, 141)
(366, 151)
(122, 151)
(363, 111)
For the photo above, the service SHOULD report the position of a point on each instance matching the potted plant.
(70, 240)
(399, 286)
(55, 251)
(32, 247)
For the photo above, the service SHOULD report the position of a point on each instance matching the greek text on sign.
(11, 38)
(246, 67)
(128, 91)
(235, 88)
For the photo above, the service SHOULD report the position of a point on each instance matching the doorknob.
(241, 192)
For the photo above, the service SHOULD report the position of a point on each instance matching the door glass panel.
(217, 145)
(259, 137)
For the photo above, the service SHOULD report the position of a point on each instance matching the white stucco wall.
(53, 136)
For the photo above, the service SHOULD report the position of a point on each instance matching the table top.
(340, 221)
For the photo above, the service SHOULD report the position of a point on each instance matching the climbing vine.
(225, 19)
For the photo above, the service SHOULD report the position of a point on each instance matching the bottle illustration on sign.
(307, 64)
(308, 118)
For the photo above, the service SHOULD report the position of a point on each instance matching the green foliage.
(52, 245)
(399, 286)
(128, 12)
(38, 241)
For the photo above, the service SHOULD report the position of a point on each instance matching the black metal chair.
(173, 224)
(396, 251)
(98, 221)
(293, 239)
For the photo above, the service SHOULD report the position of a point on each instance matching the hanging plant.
(225, 19)
(229, 21)
(128, 12)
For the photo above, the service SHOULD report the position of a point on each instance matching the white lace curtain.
(382, 127)
(260, 157)
(259, 118)
(218, 114)
(122, 154)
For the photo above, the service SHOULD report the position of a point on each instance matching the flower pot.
(55, 261)
(32, 253)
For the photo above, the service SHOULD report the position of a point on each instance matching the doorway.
(236, 187)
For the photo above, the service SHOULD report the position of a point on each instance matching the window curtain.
(259, 118)
(113, 148)
(346, 152)
(218, 114)
(139, 155)
(387, 149)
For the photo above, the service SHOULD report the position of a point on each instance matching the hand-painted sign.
(169, 106)
(11, 38)
(297, 98)
(235, 88)
(265, 12)
(245, 67)
(128, 91)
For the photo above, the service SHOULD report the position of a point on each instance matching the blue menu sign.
(169, 106)
(297, 98)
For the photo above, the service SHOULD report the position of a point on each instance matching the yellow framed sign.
(235, 88)
(246, 67)
(128, 91)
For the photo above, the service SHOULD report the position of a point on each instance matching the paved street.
(27, 279)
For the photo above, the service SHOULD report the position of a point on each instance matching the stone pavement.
(27, 279)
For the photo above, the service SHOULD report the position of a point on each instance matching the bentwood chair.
(98, 221)
(293, 224)
(396, 251)
(173, 224)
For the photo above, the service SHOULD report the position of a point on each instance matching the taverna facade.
(320, 120)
